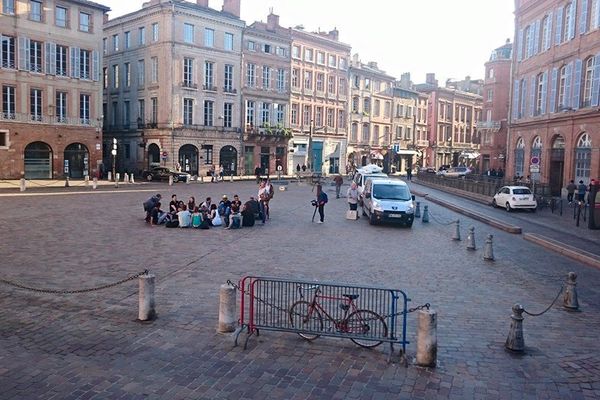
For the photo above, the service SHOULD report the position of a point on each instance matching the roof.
(92, 4)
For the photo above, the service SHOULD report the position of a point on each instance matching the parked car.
(442, 170)
(388, 200)
(361, 176)
(428, 170)
(515, 197)
(456, 172)
(163, 173)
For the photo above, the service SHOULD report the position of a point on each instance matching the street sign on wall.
(534, 168)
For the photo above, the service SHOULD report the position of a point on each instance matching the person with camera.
(320, 202)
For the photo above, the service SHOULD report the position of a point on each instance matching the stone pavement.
(90, 346)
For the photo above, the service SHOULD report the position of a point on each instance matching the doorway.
(38, 161)
(77, 160)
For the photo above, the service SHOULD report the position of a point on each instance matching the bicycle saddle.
(351, 296)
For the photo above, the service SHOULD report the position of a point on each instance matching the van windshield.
(391, 192)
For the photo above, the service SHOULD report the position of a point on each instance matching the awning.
(407, 152)
(469, 155)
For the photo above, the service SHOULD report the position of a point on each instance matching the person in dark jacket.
(321, 201)
(150, 204)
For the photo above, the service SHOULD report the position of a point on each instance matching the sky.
(452, 38)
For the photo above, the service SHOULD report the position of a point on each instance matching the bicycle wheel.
(368, 324)
(303, 317)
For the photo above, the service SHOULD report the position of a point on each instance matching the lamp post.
(310, 150)
(114, 155)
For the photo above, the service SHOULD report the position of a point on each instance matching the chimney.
(334, 34)
(272, 21)
(430, 79)
(232, 7)
(202, 3)
(373, 64)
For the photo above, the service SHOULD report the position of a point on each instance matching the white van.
(364, 173)
(388, 200)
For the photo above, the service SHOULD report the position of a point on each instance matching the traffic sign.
(535, 160)
(534, 168)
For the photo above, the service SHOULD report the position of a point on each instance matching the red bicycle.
(307, 316)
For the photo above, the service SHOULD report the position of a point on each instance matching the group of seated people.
(231, 214)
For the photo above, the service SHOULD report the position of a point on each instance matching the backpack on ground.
(174, 223)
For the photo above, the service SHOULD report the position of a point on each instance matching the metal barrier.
(368, 316)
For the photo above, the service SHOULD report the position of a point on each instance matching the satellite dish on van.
(371, 169)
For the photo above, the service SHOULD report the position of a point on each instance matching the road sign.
(534, 168)
(164, 155)
(535, 160)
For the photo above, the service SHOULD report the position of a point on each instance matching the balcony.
(268, 131)
(209, 88)
(189, 85)
(489, 125)
(44, 119)
(229, 90)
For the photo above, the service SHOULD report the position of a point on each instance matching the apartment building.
(405, 106)
(493, 127)
(172, 87)
(50, 125)
(266, 96)
(555, 92)
(371, 122)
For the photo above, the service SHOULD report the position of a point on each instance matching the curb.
(574, 253)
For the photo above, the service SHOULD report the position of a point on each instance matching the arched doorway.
(188, 159)
(38, 161)
(583, 158)
(557, 164)
(77, 161)
(228, 159)
(153, 155)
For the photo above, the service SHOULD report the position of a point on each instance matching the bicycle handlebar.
(313, 287)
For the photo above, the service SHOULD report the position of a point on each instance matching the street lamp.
(114, 155)
(310, 150)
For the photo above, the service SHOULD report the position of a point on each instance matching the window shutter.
(530, 40)
(515, 101)
(569, 72)
(536, 37)
(520, 45)
(584, 16)
(24, 44)
(50, 58)
(523, 98)
(596, 81)
(572, 18)
(95, 65)
(553, 90)
(549, 31)
(74, 62)
(559, 26)
(544, 92)
(576, 84)
(2, 39)
(532, 97)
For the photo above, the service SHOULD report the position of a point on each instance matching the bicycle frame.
(338, 324)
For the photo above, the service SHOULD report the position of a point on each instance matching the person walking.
(257, 172)
(338, 185)
(581, 189)
(352, 195)
(409, 174)
(571, 191)
(321, 201)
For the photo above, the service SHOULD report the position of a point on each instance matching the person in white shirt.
(185, 217)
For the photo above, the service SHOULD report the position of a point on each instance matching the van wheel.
(372, 220)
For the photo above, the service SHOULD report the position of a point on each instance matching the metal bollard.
(515, 341)
(227, 319)
(86, 180)
(425, 218)
(188, 180)
(170, 180)
(95, 183)
(456, 235)
(126, 178)
(418, 210)
(488, 250)
(471, 239)
(570, 301)
(146, 310)
(22, 185)
(427, 338)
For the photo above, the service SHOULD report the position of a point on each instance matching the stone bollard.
(471, 239)
(488, 249)
(146, 311)
(117, 179)
(125, 177)
(22, 185)
(515, 341)
(570, 301)
(456, 235)
(427, 338)
(86, 180)
(95, 183)
(109, 176)
(170, 180)
(227, 320)
(230, 178)
(131, 179)
(67, 184)
(425, 218)
(418, 210)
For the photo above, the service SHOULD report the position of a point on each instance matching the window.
(61, 107)
(85, 20)
(155, 32)
(491, 73)
(367, 83)
(250, 112)
(154, 105)
(251, 45)
(366, 133)
(280, 51)
(342, 89)
(127, 73)
(113, 113)
(296, 52)
(188, 33)
(127, 40)
(60, 16)
(115, 40)
(331, 117)
(228, 44)
(583, 158)
(355, 104)
(331, 84)
(490, 95)
(318, 121)
(367, 106)
(354, 132)
(209, 108)
(408, 133)
(115, 76)
(528, 40)
(141, 72)
(208, 154)
(306, 115)
(227, 115)
(267, 48)
(104, 78)
(399, 132)
(320, 58)
(85, 64)
(209, 37)
(265, 114)
(280, 83)
(295, 78)
(208, 76)
(61, 60)
(545, 34)
(8, 102)
(228, 81)
(343, 64)
(141, 113)
(8, 7)
(104, 46)
(141, 36)
(320, 82)
(587, 81)
(266, 80)
(594, 9)
(308, 75)
(35, 56)
(294, 114)
(279, 113)
(250, 75)
(188, 70)
(387, 111)
(377, 108)
(308, 55)
(35, 104)
(35, 10)
(4, 139)
(376, 134)
(569, 22)
(561, 87)
(332, 61)
(84, 109)
(188, 111)
(154, 70)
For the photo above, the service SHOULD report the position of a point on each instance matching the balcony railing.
(266, 130)
(229, 90)
(44, 119)
(189, 85)
(210, 88)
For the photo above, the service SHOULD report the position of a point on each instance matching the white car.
(514, 197)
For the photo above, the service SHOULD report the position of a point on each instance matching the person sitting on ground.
(235, 219)
(207, 203)
(150, 204)
(196, 218)
(191, 203)
(224, 209)
(174, 204)
(184, 216)
(248, 214)
(157, 216)
(215, 218)
(236, 200)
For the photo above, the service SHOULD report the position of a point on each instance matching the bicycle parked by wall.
(308, 316)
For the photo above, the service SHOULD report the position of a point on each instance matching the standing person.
(298, 168)
(211, 171)
(352, 195)
(581, 189)
(338, 185)
(263, 197)
(321, 201)
(303, 167)
(571, 191)
(409, 174)
(221, 172)
(257, 172)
